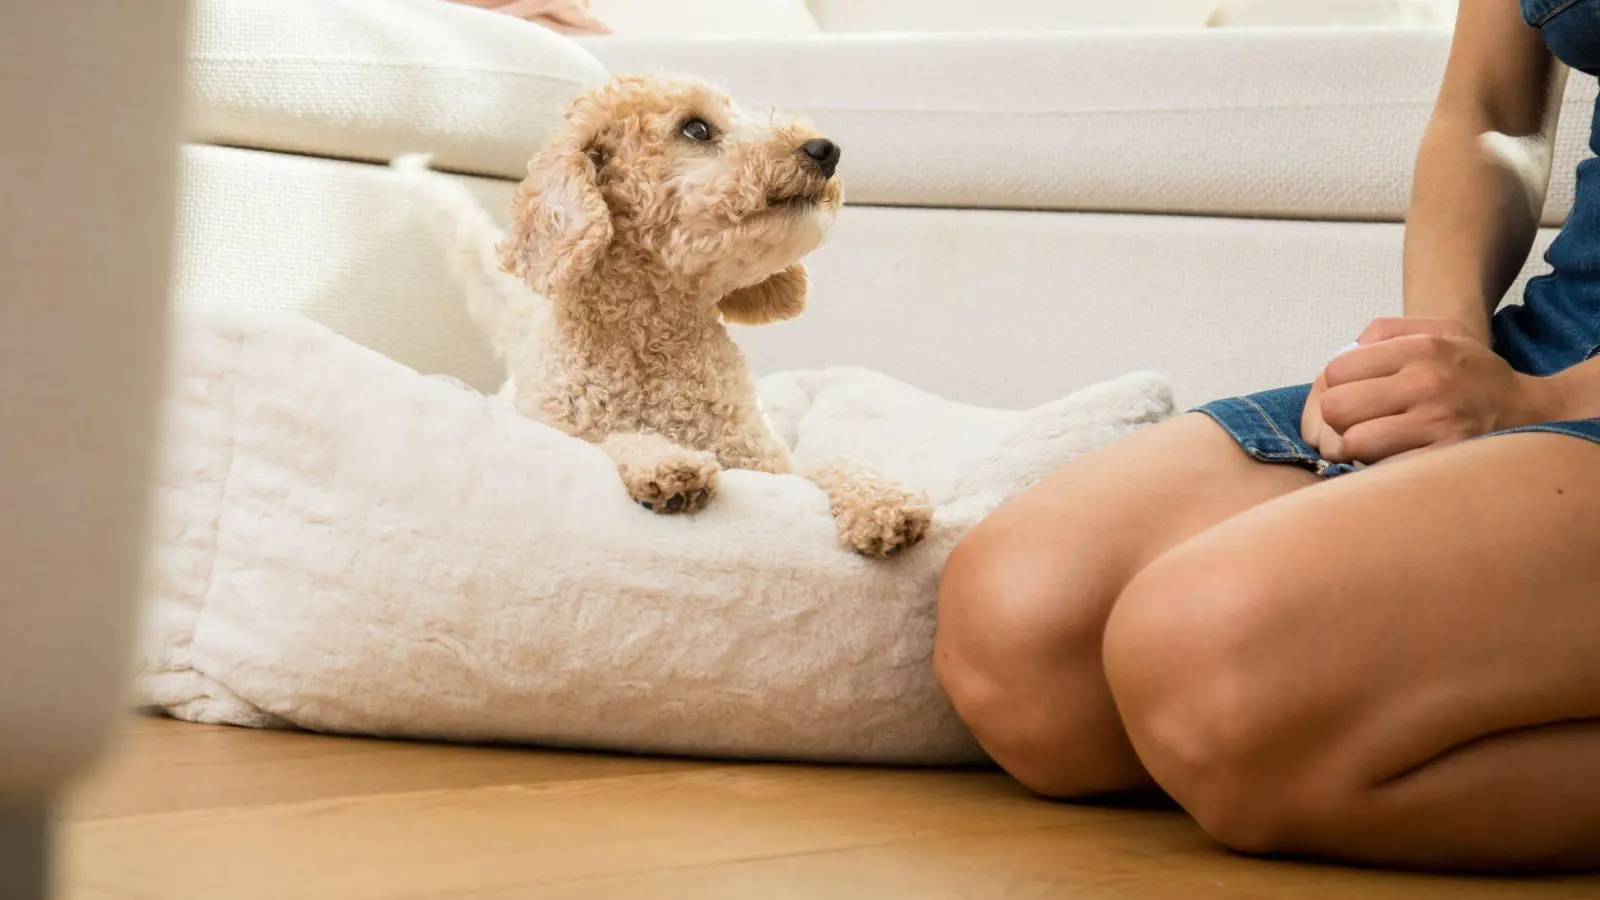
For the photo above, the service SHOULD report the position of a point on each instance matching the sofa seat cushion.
(1222, 122)
(374, 79)
(995, 16)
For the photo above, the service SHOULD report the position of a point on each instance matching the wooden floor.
(190, 812)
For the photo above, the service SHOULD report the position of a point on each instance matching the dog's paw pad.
(675, 487)
(887, 531)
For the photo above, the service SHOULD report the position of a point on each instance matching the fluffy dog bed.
(348, 546)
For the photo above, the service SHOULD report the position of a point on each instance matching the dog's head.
(666, 181)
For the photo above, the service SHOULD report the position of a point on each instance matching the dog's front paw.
(884, 521)
(682, 482)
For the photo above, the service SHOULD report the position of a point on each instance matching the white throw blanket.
(348, 546)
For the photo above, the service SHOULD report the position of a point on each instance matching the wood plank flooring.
(193, 812)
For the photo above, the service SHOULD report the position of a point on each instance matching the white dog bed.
(348, 546)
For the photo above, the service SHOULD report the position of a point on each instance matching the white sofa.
(1029, 213)
(688, 18)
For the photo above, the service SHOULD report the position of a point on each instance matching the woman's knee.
(1008, 606)
(1209, 707)
(1020, 627)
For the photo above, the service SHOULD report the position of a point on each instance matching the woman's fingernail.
(1348, 349)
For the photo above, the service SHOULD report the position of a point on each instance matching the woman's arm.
(1574, 393)
(1483, 167)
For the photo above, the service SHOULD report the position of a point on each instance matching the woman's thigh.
(1024, 599)
(1400, 667)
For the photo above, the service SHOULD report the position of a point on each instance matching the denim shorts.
(1556, 327)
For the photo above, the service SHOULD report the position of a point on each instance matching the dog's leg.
(755, 449)
(875, 516)
(662, 476)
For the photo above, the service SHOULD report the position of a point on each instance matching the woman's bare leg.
(1024, 599)
(1399, 668)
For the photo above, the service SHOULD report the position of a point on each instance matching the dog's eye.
(696, 130)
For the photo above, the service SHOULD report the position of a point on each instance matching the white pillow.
(1301, 13)
(346, 545)
(975, 16)
(373, 79)
(698, 18)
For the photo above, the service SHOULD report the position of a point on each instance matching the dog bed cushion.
(374, 79)
(346, 545)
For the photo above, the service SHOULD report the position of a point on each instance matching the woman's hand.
(1417, 384)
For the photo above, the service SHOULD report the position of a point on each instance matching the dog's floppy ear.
(778, 298)
(560, 226)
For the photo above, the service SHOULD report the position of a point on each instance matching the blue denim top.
(1571, 29)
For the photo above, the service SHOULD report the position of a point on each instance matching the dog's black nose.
(824, 154)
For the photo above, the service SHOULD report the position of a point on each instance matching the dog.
(657, 214)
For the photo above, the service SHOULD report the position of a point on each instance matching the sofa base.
(997, 308)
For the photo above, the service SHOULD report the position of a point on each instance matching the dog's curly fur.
(646, 234)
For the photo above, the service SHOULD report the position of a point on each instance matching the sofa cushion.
(1034, 305)
(1059, 15)
(1007, 15)
(335, 241)
(1211, 122)
(374, 79)
(1278, 13)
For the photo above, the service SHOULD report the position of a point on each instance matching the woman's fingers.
(1378, 360)
(1352, 403)
(1381, 397)
(1379, 439)
(1389, 344)
(1311, 425)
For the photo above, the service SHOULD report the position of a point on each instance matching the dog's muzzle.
(822, 153)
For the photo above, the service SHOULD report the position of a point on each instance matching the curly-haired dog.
(658, 213)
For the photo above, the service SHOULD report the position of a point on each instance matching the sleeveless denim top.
(1557, 324)
(1567, 302)
(1571, 29)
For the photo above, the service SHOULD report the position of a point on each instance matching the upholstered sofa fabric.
(338, 242)
(1225, 122)
(1392, 13)
(374, 79)
(967, 16)
(990, 16)
(1247, 122)
(1032, 304)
